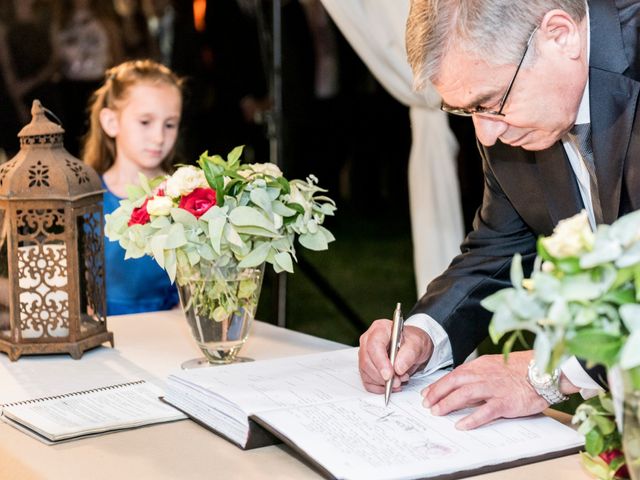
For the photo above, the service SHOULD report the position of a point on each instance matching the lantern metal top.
(43, 169)
(40, 125)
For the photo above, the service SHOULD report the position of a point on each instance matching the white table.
(150, 346)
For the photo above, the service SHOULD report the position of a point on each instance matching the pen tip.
(398, 306)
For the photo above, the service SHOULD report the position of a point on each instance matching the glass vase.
(631, 422)
(219, 304)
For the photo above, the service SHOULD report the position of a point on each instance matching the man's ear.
(563, 32)
(109, 122)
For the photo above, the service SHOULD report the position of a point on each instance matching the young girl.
(134, 120)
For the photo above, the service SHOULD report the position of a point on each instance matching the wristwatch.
(546, 384)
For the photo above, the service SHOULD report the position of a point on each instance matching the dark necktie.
(581, 137)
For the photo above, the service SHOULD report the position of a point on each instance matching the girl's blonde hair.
(99, 150)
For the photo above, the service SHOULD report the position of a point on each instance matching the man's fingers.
(482, 415)
(415, 349)
(444, 386)
(467, 395)
(373, 359)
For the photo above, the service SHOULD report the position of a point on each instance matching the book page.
(245, 388)
(93, 411)
(361, 438)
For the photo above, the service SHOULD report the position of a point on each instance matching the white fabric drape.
(375, 29)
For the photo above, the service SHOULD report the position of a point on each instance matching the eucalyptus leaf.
(283, 261)
(216, 227)
(232, 236)
(630, 355)
(281, 209)
(261, 198)
(328, 236)
(206, 252)
(257, 256)
(516, 272)
(160, 222)
(249, 217)
(193, 256)
(313, 241)
(257, 231)
(176, 237)
(157, 247)
(180, 215)
(630, 314)
(170, 264)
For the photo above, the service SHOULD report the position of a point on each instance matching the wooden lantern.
(52, 272)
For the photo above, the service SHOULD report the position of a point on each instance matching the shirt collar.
(584, 114)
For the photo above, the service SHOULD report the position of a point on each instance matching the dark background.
(355, 139)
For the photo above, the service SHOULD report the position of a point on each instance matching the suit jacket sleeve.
(453, 299)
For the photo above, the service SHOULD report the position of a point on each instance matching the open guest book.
(90, 412)
(317, 405)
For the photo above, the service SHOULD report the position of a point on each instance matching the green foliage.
(256, 216)
(581, 296)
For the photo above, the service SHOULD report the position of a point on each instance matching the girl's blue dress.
(134, 285)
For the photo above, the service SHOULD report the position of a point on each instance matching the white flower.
(263, 168)
(184, 181)
(571, 237)
(159, 206)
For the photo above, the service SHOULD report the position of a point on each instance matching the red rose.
(609, 456)
(198, 201)
(139, 216)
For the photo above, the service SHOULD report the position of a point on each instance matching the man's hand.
(498, 389)
(375, 367)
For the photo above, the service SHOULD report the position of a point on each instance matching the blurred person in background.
(27, 65)
(137, 41)
(87, 41)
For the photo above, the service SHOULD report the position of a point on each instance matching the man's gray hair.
(494, 30)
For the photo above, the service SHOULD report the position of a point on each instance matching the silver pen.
(394, 346)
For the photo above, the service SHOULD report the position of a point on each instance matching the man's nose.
(489, 129)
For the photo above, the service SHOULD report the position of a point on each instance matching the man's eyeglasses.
(467, 112)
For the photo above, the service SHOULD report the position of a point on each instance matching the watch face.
(538, 378)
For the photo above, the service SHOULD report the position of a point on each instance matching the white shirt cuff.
(442, 355)
(580, 378)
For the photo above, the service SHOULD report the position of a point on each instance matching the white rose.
(159, 206)
(571, 237)
(185, 180)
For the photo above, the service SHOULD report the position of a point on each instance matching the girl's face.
(145, 125)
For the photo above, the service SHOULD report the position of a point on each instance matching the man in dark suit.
(552, 87)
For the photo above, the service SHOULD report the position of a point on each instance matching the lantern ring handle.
(53, 115)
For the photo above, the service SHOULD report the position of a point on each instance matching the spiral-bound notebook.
(90, 412)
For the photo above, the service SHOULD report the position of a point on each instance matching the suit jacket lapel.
(613, 99)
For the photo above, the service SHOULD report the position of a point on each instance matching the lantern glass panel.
(42, 273)
(92, 269)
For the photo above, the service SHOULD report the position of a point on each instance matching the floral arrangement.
(603, 457)
(221, 214)
(581, 299)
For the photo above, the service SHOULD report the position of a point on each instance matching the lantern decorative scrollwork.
(52, 272)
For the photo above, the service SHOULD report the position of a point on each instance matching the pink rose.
(139, 216)
(198, 201)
